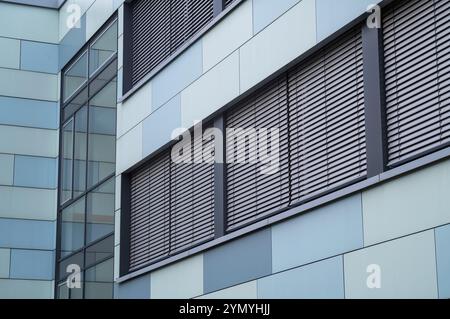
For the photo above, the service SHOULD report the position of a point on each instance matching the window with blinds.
(319, 111)
(416, 36)
(160, 27)
(256, 187)
(172, 206)
(327, 124)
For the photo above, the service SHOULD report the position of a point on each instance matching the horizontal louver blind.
(417, 68)
(326, 107)
(172, 206)
(150, 212)
(192, 197)
(252, 192)
(160, 27)
(150, 35)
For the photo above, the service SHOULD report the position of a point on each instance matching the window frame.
(61, 206)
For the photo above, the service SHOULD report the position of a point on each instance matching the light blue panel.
(158, 127)
(322, 233)
(72, 42)
(4, 262)
(40, 57)
(177, 75)
(265, 11)
(10, 53)
(138, 288)
(37, 172)
(241, 260)
(333, 15)
(321, 280)
(31, 234)
(443, 260)
(30, 113)
(32, 264)
(26, 289)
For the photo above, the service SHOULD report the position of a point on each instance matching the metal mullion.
(374, 101)
(220, 200)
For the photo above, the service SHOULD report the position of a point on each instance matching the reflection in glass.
(78, 101)
(100, 211)
(72, 227)
(100, 251)
(67, 160)
(75, 259)
(102, 134)
(74, 293)
(75, 76)
(103, 48)
(80, 151)
(99, 281)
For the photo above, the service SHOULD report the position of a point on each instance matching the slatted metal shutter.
(172, 206)
(160, 27)
(251, 192)
(192, 200)
(326, 107)
(228, 3)
(417, 71)
(150, 35)
(150, 212)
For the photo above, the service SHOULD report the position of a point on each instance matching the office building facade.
(224, 149)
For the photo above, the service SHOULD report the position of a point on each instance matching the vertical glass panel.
(76, 259)
(64, 292)
(75, 76)
(66, 162)
(100, 251)
(100, 211)
(76, 103)
(102, 134)
(72, 228)
(79, 183)
(99, 281)
(103, 48)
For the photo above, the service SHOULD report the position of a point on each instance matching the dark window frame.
(221, 8)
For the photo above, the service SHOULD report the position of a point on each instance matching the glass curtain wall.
(87, 170)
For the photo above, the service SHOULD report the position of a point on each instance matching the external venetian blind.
(172, 206)
(150, 212)
(326, 111)
(160, 27)
(256, 188)
(192, 199)
(417, 75)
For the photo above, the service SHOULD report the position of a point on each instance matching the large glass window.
(75, 76)
(100, 211)
(99, 281)
(103, 48)
(87, 186)
(72, 227)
